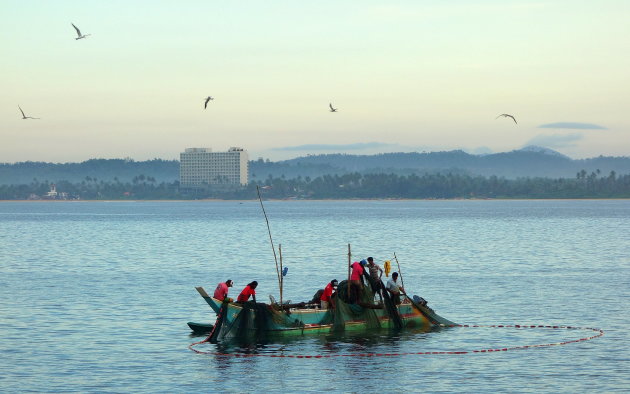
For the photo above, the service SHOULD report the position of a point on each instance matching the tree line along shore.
(344, 186)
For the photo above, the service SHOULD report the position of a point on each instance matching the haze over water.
(95, 296)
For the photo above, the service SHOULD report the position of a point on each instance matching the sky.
(406, 76)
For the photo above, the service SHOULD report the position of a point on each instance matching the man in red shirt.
(355, 284)
(327, 294)
(249, 290)
(221, 292)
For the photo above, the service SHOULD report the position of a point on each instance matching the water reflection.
(333, 344)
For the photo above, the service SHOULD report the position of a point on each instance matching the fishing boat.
(255, 320)
(351, 311)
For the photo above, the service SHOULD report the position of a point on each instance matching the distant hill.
(531, 161)
(527, 162)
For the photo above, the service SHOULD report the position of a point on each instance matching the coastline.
(326, 200)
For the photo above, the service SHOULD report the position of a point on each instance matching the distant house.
(54, 195)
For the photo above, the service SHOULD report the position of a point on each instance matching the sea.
(96, 296)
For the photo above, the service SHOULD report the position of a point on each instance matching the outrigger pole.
(271, 241)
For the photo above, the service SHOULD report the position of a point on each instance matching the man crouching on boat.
(326, 299)
(221, 292)
(249, 290)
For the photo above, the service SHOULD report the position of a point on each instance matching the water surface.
(95, 296)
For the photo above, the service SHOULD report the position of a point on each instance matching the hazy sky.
(405, 75)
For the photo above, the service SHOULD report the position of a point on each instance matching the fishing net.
(348, 308)
(253, 322)
(390, 307)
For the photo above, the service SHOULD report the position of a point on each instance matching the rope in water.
(599, 333)
(214, 327)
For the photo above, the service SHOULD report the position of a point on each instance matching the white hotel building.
(200, 167)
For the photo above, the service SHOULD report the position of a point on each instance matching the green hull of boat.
(300, 321)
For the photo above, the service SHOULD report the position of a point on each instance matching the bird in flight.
(79, 35)
(331, 108)
(507, 116)
(205, 105)
(24, 116)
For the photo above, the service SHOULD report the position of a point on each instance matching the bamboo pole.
(402, 282)
(270, 239)
(349, 262)
(281, 276)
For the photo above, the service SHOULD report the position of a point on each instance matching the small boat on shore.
(254, 320)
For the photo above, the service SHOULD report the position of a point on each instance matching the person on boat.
(326, 299)
(394, 288)
(221, 292)
(249, 290)
(376, 273)
(317, 298)
(355, 284)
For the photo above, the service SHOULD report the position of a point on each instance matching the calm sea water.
(94, 297)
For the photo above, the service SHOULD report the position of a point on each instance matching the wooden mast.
(281, 273)
(349, 262)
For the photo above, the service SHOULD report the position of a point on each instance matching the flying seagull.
(80, 36)
(205, 105)
(507, 116)
(331, 108)
(24, 116)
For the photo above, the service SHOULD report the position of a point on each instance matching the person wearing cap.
(355, 283)
(326, 298)
(249, 290)
(221, 292)
(394, 288)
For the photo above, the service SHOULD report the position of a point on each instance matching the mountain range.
(531, 161)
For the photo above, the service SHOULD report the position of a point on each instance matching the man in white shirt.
(394, 288)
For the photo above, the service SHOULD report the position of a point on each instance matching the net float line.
(598, 333)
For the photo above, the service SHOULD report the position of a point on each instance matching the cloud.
(556, 141)
(572, 125)
(335, 147)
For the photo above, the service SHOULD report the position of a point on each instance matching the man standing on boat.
(355, 284)
(326, 298)
(249, 290)
(376, 273)
(221, 292)
(394, 288)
